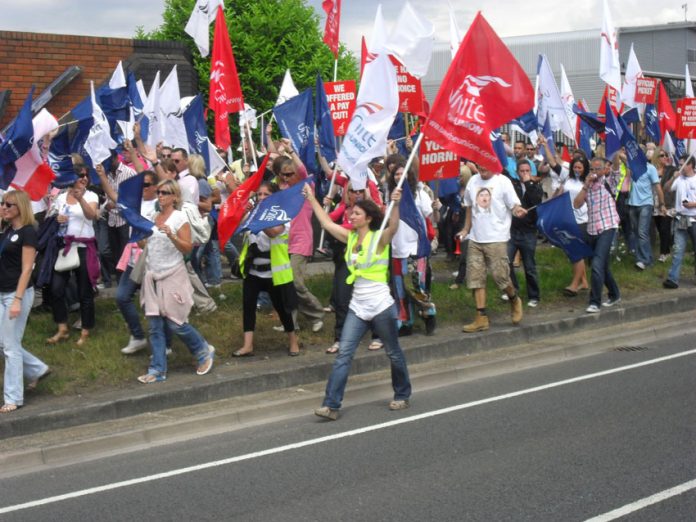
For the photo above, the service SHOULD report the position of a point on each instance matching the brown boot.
(479, 325)
(516, 310)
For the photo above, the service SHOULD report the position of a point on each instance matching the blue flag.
(556, 220)
(327, 139)
(637, 161)
(196, 129)
(276, 209)
(398, 132)
(652, 123)
(586, 133)
(18, 140)
(295, 120)
(680, 146)
(60, 160)
(590, 118)
(499, 147)
(612, 131)
(528, 122)
(631, 115)
(411, 216)
(445, 187)
(548, 134)
(130, 196)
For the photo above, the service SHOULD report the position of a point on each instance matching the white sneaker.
(505, 297)
(317, 325)
(640, 265)
(533, 303)
(663, 258)
(134, 345)
(611, 302)
(592, 309)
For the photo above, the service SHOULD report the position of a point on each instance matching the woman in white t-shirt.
(579, 169)
(76, 210)
(166, 294)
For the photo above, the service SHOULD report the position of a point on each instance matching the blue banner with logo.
(556, 220)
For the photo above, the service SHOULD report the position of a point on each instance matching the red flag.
(225, 91)
(565, 155)
(611, 92)
(333, 19)
(232, 210)
(484, 88)
(665, 112)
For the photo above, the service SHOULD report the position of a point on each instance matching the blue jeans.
(188, 334)
(680, 237)
(601, 271)
(19, 363)
(641, 221)
(524, 242)
(124, 299)
(213, 267)
(384, 325)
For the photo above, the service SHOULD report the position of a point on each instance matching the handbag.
(67, 261)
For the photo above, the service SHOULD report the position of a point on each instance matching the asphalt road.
(502, 448)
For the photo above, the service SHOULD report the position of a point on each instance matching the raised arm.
(325, 221)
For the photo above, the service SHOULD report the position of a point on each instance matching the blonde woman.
(166, 295)
(17, 252)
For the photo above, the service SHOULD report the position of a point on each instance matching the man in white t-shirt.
(490, 202)
(684, 186)
(187, 183)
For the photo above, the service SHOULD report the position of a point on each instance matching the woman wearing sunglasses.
(17, 252)
(166, 295)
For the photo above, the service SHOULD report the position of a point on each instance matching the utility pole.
(685, 7)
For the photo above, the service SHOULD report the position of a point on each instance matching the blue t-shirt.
(641, 189)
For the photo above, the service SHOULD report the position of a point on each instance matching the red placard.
(341, 97)
(436, 162)
(410, 90)
(686, 118)
(646, 89)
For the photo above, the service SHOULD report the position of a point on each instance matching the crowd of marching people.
(76, 241)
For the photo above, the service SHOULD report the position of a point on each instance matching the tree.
(268, 37)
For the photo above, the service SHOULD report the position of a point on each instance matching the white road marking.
(336, 436)
(645, 502)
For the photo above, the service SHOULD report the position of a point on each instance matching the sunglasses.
(356, 191)
(287, 174)
(177, 161)
(663, 155)
(146, 185)
(7, 204)
(164, 193)
(166, 155)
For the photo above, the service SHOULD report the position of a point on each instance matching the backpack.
(200, 226)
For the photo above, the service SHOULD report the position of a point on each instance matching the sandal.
(569, 292)
(151, 378)
(59, 337)
(375, 345)
(240, 353)
(9, 408)
(205, 363)
(333, 348)
(84, 337)
(31, 385)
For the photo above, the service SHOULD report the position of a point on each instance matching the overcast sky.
(508, 17)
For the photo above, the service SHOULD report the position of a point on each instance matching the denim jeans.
(384, 325)
(213, 266)
(601, 271)
(524, 242)
(188, 334)
(19, 363)
(680, 238)
(124, 300)
(641, 221)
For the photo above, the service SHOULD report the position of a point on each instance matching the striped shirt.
(601, 209)
(122, 174)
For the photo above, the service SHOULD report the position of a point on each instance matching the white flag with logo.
(376, 107)
(197, 27)
(151, 109)
(568, 100)
(411, 41)
(633, 72)
(99, 142)
(609, 64)
(287, 89)
(173, 128)
(549, 102)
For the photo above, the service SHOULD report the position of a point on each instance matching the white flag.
(99, 142)
(376, 107)
(455, 33)
(44, 124)
(568, 101)
(197, 27)
(216, 162)
(287, 89)
(151, 110)
(609, 64)
(549, 102)
(378, 38)
(173, 128)
(248, 115)
(118, 78)
(689, 86)
(633, 72)
(411, 41)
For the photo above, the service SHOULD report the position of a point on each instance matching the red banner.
(646, 89)
(333, 18)
(341, 98)
(686, 118)
(436, 162)
(410, 90)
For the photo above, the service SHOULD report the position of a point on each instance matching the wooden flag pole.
(251, 143)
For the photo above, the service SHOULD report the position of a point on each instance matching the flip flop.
(569, 292)
(239, 353)
(31, 385)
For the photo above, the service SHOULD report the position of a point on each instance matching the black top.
(11, 243)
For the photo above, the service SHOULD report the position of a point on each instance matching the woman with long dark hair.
(17, 253)
(579, 169)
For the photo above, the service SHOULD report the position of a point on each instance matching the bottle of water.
(63, 228)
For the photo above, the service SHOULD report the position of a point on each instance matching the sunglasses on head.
(164, 193)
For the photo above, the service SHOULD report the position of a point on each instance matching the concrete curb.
(279, 375)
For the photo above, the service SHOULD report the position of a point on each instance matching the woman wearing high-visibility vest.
(371, 305)
(265, 266)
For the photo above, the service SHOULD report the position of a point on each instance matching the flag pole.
(335, 69)
(326, 208)
(251, 142)
(414, 151)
